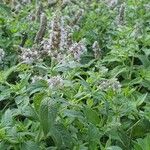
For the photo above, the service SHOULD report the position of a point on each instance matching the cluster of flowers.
(2, 54)
(53, 82)
(107, 84)
(96, 49)
(16, 5)
(111, 3)
(60, 39)
(60, 44)
(121, 15)
(29, 55)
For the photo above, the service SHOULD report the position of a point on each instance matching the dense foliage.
(75, 75)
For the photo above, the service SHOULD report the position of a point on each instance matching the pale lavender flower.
(112, 3)
(121, 16)
(65, 3)
(63, 36)
(31, 16)
(107, 84)
(42, 29)
(2, 54)
(103, 69)
(26, 2)
(77, 18)
(147, 6)
(55, 81)
(78, 49)
(52, 2)
(39, 11)
(55, 33)
(36, 78)
(96, 50)
(29, 55)
(45, 48)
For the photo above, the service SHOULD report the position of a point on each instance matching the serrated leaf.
(47, 115)
(73, 114)
(37, 99)
(38, 86)
(93, 137)
(143, 144)
(22, 101)
(92, 116)
(7, 118)
(61, 136)
(144, 59)
(5, 94)
(30, 145)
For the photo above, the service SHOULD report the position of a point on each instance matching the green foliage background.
(79, 116)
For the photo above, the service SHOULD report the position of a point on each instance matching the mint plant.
(74, 75)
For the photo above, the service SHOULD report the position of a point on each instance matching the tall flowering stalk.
(78, 49)
(55, 33)
(52, 2)
(77, 17)
(65, 38)
(2, 54)
(112, 3)
(96, 50)
(121, 16)
(42, 29)
(39, 11)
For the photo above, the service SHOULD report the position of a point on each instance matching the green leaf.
(93, 137)
(29, 145)
(7, 119)
(92, 116)
(37, 99)
(118, 70)
(113, 148)
(5, 94)
(47, 114)
(73, 114)
(5, 10)
(144, 59)
(61, 136)
(37, 86)
(6, 73)
(141, 99)
(143, 144)
(22, 101)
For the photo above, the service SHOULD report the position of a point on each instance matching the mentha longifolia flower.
(63, 36)
(29, 55)
(55, 81)
(55, 33)
(2, 54)
(77, 17)
(112, 3)
(43, 24)
(107, 84)
(78, 49)
(36, 78)
(96, 49)
(121, 15)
